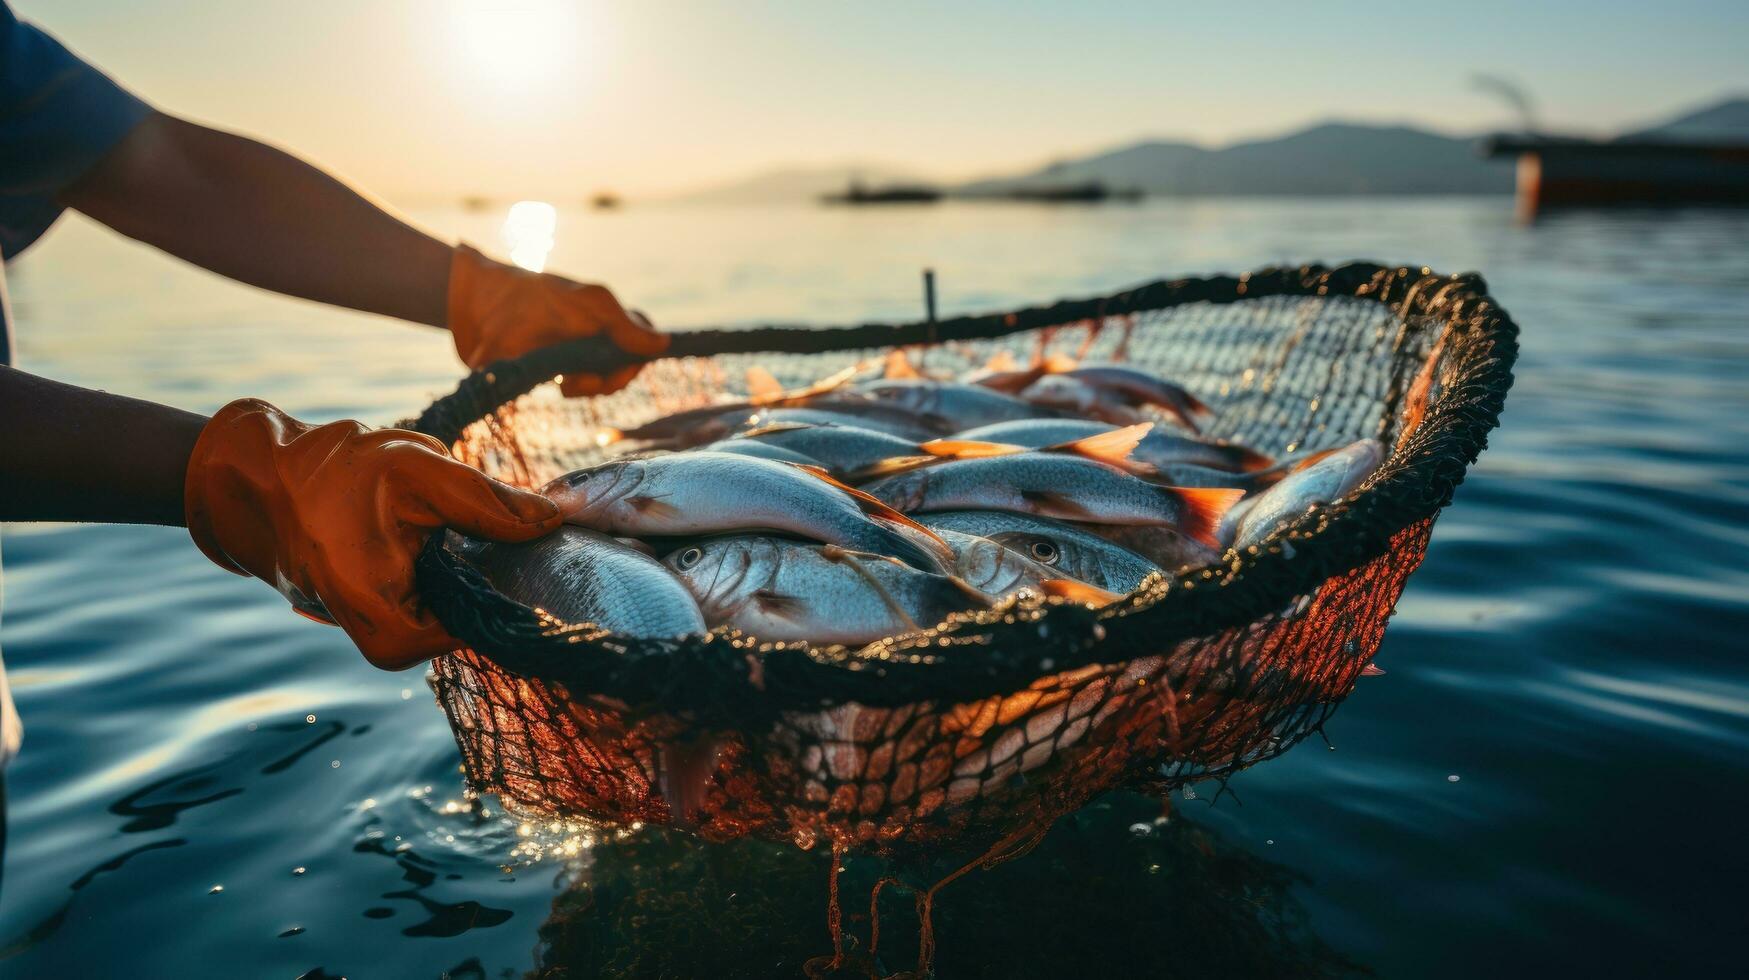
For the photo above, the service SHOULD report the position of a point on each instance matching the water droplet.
(1141, 829)
(1452, 778)
(1269, 840)
(406, 694)
(1153, 869)
(310, 719)
(293, 931)
(300, 869)
(335, 764)
(214, 890)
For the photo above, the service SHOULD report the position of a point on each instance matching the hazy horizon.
(540, 98)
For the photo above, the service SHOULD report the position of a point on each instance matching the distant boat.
(1090, 192)
(1556, 172)
(605, 201)
(858, 193)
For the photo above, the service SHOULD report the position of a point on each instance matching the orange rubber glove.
(498, 310)
(333, 515)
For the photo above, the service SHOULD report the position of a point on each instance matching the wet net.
(983, 730)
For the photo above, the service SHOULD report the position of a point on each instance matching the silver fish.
(1327, 480)
(1066, 487)
(992, 568)
(580, 576)
(697, 426)
(956, 405)
(842, 449)
(1137, 387)
(1158, 449)
(1062, 550)
(761, 449)
(707, 493)
(779, 590)
(1061, 393)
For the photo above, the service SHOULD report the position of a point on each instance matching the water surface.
(1549, 777)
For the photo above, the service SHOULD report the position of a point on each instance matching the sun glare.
(528, 233)
(518, 45)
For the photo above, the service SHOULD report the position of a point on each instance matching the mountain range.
(1331, 158)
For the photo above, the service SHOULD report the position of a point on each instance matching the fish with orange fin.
(1136, 388)
(704, 493)
(1159, 448)
(998, 570)
(1333, 476)
(1062, 550)
(1113, 446)
(1064, 395)
(1059, 485)
(959, 405)
(782, 590)
(697, 426)
(842, 449)
(1006, 374)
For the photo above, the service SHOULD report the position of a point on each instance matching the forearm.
(72, 454)
(256, 214)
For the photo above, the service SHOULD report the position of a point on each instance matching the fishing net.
(980, 732)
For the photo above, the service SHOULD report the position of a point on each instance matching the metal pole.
(929, 295)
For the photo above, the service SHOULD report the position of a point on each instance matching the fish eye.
(689, 557)
(1044, 551)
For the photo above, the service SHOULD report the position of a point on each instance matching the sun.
(518, 46)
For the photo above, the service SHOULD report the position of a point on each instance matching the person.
(331, 515)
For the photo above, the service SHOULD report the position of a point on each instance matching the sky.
(422, 99)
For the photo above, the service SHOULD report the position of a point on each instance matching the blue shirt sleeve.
(58, 117)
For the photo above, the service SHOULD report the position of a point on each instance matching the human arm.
(259, 215)
(331, 515)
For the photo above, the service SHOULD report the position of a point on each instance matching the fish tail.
(1203, 510)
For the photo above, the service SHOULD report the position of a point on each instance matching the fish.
(1112, 446)
(764, 450)
(993, 568)
(956, 405)
(1064, 395)
(782, 590)
(707, 492)
(697, 426)
(1062, 550)
(841, 449)
(581, 576)
(1136, 387)
(1158, 448)
(1329, 479)
(1060, 485)
(1004, 373)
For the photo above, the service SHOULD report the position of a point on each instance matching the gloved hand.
(498, 310)
(333, 515)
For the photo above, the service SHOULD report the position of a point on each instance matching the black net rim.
(728, 678)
